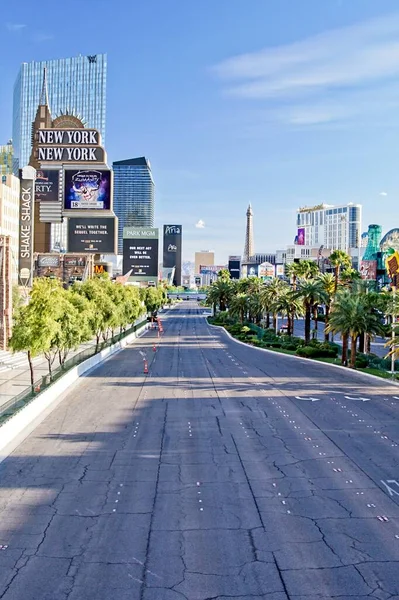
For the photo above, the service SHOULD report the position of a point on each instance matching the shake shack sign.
(69, 145)
(26, 223)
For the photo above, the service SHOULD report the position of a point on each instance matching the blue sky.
(278, 103)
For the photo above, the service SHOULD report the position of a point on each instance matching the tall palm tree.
(328, 283)
(291, 270)
(350, 317)
(350, 277)
(339, 259)
(270, 294)
(308, 269)
(255, 307)
(239, 305)
(304, 269)
(311, 293)
(289, 305)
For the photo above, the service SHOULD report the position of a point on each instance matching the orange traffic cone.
(145, 367)
(154, 348)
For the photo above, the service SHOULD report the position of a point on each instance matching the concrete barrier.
(19, 426)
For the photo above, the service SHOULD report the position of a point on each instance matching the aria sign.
(69, 145)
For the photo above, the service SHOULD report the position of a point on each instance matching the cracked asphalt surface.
(226, 472)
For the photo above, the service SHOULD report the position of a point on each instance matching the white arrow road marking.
(310, 398)
(360, 398)
(390, 490)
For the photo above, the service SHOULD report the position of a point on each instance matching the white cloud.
(352, 56)
(15, 26)
(42, 37)
(200, 224)
(383, 194)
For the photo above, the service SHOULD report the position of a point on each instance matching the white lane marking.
(310, 398)
(389, 488)
(360, 398)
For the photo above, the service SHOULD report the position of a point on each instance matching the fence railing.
(12, 406)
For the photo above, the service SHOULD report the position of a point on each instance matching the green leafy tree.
(102, 307)
(75, 324)
(36, 324)
(153, 298)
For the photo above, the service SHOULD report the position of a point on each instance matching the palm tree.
(339, 259)
(271, 293)
(308, 269)
(350, 317)
(350, 276)
(289, 305)
(291, 270)
(328, 283)
(222, 290)
(304, 269)
(239, 306)
(311, 293)
(255, 307)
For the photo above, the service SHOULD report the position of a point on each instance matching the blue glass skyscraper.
(134, 195)
(76, 85)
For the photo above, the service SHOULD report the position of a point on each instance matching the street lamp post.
(393, 330)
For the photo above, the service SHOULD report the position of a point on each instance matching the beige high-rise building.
(205, 258)
(9, 217)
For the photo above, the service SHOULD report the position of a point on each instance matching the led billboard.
(87, 189)
(172, 250)
(91, 234)
(47, 185)
(140, 252)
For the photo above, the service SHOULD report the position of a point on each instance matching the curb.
(19, 426)
(307, 360)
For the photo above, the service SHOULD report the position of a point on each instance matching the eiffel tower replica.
(249, 249)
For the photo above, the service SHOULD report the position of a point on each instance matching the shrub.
(311, 352)
(307, 352)
(333, 349)
(361, 362)
(275, 344)
(286, 346)
(298, 341)
(314, 344)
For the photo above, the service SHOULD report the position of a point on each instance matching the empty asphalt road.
(226, 472)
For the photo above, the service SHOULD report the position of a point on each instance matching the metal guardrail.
(12, 406)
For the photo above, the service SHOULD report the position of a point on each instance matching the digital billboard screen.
(47, 185)
(87, 189)
(95, 235)
(141, 257)
(172, 250)
(234, 267)
(301, 237)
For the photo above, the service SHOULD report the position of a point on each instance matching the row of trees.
(57, 320)
(351, 308)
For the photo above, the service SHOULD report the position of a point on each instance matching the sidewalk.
(15, 373)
